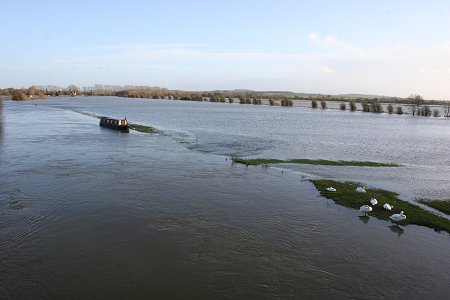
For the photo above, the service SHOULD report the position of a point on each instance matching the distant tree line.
(415, 104)
(23, 94)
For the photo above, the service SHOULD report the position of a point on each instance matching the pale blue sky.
(376, 47)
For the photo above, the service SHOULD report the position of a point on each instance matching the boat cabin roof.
(106, 118)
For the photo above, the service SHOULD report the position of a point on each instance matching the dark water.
(88, 213)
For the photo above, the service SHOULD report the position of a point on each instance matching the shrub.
(352, 105)
(424, 111)
(447, 110)
(436, 113)
(323, 104)
(195, 97)
(365, 107)
(256, 101)
(314, 103)
(19, 95)
(399, 110)
(287, 102)
(272, 102)
(342, 106)
(390, 108)
(378, 108)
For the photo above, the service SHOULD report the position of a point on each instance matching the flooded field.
(88, 212)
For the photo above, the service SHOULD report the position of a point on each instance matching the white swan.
(360, 189)
(387, 206)
(365, 209)
(398, 217)
(373, 201)
(331, 189)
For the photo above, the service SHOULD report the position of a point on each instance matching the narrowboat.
(118, 124)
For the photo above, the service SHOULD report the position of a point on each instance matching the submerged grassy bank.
(322, 162)
(144, 128)
(441, 205)
(346, 195)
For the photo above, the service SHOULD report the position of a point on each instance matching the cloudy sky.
(393, 48)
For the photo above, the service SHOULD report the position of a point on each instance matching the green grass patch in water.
(144, 128)
(346, 195)
(322, 162)
(441, 205)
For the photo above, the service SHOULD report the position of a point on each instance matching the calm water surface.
(421, 144)
(91, 213)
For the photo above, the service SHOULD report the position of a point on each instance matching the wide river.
(91, 213)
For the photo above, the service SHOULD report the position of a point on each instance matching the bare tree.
(416, 101)
(31, 91)
(447, 110)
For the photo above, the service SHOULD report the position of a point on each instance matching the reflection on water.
(397, 229)
(364, 219)
(91, 213)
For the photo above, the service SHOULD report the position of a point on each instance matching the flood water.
(89, 213)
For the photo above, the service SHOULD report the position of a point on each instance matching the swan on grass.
(387, 206)
(373, 201)
(365, 209)
(331, 189)
(398, 217)
(360, 189)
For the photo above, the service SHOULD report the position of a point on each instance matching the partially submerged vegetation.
(144, 128)
(346, 195)
(322, 162)
(441, 205)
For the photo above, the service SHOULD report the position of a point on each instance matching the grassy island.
(346, 195)
(322, 162)
(441, 205)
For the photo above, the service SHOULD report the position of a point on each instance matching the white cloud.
(326, 69)
(313, 37)
(331, 40)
